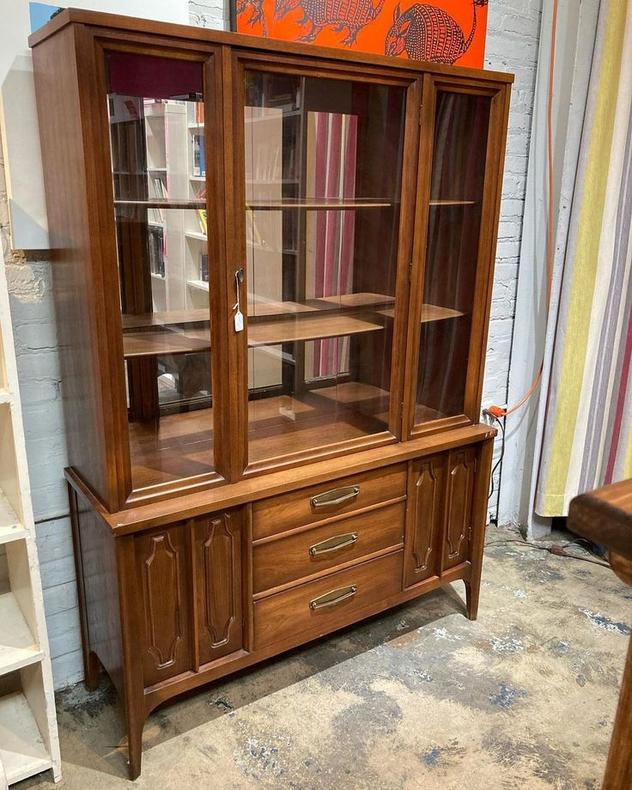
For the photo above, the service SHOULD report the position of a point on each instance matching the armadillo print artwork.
(442, 31)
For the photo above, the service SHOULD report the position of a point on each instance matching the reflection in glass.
(323, 178)
(454, 220)
(156, 115)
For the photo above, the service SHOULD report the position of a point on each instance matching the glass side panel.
(323, 178)
(454, 219)
(156, 114)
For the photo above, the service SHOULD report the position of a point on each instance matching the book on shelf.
(199, 112)
(198, 156)
(204, 267)
(202, 219)
(157, 189)
(157, 251)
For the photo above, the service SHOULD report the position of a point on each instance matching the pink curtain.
(335, 167)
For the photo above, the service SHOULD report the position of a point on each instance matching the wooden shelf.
(316, 204)
(312, 327)
(10, 525)
(429, 312)
(264, 333)
(22, 750)
(195, 234)
(338, 316)
(162, 203)
(453, 202)
(257, 310)
(157, 343)
(17, 647)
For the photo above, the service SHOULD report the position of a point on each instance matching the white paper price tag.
(239, 321)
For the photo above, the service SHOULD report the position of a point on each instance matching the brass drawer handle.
(334, 597)
(333, 544)
(337, 496)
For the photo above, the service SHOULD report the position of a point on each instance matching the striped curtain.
(587, 437)
(335, 168)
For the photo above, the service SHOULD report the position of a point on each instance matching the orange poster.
(440, 31)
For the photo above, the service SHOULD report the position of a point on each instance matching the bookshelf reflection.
(157, 133)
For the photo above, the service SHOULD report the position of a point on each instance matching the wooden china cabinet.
(273, 268)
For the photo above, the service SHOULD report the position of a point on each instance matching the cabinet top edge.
(251, 489)
(255, 43)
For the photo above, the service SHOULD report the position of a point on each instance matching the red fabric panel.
(152, 77)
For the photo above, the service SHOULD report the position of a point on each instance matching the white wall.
(20, 134)
(512, 45)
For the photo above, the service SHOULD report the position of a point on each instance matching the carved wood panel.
(460, 492)
(218, 585)
(425, 518)
(161, 562)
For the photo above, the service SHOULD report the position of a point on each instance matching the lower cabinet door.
(163, 580)
(218, 584)
(425, 518)
(459, 502)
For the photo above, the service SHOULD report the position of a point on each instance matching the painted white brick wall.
(512, 43)
(513, 34)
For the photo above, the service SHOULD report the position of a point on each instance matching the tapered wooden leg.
(92, 667)
(471, 599)
(479, 522)
(134, 747)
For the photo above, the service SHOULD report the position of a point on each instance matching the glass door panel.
(156, 117)
(454, 221)
(323, 178)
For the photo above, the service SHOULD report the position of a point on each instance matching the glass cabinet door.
(156, 122)
(455, 210)
(323, 168)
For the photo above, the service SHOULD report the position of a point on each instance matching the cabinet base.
(169, 608)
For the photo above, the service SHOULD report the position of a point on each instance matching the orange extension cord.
(499, 411)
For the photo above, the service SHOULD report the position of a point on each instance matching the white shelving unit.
(29, 742)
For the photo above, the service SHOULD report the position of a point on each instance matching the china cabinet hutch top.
(267, 255)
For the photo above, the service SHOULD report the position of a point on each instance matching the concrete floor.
(418, 698)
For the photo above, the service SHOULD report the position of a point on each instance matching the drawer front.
(313, 504)
(323, 547)
(326, 604)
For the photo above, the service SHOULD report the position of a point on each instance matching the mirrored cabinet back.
(272, 270)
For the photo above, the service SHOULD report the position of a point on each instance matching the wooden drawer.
(319, 548)
(300, 610)
(284, 512)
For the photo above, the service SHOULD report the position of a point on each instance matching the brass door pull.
(334, 597)
(333, 544)
(337, 496)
